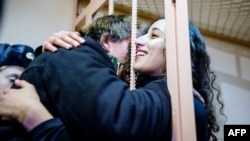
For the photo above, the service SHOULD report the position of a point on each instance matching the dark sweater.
(81, 88)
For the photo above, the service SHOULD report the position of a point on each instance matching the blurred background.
(225, 25)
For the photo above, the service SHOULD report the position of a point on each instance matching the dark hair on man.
(112, 27)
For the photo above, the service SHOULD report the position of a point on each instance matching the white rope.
(111, 7)
(133, 46)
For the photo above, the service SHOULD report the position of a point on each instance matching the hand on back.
(64, 39)
(12, 103)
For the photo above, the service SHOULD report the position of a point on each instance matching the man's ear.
(105, 44)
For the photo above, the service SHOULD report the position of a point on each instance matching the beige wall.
(33, 21)
(231, 62)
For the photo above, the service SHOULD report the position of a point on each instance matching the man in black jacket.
(81, 88)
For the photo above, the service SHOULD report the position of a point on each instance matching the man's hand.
(15, 103)
(23, 105)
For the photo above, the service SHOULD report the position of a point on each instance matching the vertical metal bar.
(179, 70)
(185, 74)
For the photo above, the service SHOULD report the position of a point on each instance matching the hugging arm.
(68, 40)
(92, 102)
(65, 39)
(24, 105)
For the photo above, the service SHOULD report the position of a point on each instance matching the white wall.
(33, 21)
(231, 62)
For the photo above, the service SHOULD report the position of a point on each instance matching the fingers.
(63, 39)
(22, 83)
(71, 38)
(11, 108)
(53, 41)
(48, 46)
(77, 33)
(75, 39)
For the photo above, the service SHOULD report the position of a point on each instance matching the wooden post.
(85, 17)
(179, 74)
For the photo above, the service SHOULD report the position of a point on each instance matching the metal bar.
(179, 70)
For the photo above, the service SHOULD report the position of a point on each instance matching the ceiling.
(225, 19)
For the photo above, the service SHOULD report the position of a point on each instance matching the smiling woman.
(116, 103)
(150, 66)
(150, 52)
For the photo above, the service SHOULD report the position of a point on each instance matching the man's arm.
(50, 130)
(84, 91)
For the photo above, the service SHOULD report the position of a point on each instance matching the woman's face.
(8, 75)
(150, 56)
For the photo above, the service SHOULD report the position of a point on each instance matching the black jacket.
(81, 88)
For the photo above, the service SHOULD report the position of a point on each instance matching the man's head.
(112, 32)
(13, 60)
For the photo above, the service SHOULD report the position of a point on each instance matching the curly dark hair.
(113, 27)
(203, 78)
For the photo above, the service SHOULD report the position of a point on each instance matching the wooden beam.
(149, 17)
(179, 74)
(127, 10)
(85, 17)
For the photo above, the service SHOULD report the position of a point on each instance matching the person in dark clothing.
(13, 60)
(109, 110)
(203, 77)
(92, 102)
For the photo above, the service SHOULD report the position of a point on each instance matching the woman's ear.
(105, 44)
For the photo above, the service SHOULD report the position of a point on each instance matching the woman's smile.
(140, 53)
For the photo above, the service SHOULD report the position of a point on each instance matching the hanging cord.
(111, 7)
(133, 46)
